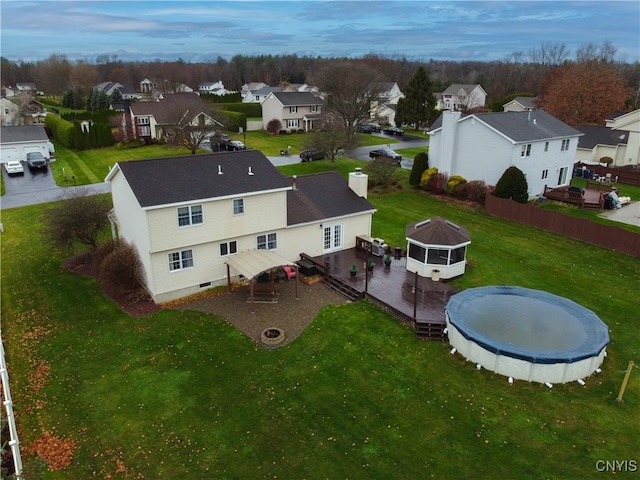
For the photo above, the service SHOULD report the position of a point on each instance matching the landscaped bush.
(437, 183)
(274, 126)
(420, 164)
(234, 120)
(474, 191)
(454, 182)
(513, 184)
(426, 175)
(121, 269)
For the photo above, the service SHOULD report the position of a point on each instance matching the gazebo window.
(417, 252)
(458, 255)
(438, 256)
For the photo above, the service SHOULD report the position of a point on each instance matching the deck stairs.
(341, 287)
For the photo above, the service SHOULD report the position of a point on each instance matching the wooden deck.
(590, 198)
(413, 300)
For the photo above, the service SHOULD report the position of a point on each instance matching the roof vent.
(294, 182)
(423, 223)
(250, 172)
(219, 169)
(535, 122)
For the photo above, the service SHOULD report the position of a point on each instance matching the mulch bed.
(136, 304)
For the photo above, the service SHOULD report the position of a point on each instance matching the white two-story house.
(482, 146)
(295, 110)
(462, 97)
(186, 216)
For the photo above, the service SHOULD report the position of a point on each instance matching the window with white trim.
(238, 206)
(314, 108)
(545, 173)
(565, 145)
(546, 146)
(526, 150)
(180, 260)
(191, 215)
(292, 123)
(228, 248)
(293, 109)
(268, 241)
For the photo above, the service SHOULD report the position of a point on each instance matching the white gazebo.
(437, 248)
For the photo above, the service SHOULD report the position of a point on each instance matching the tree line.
(516, 73)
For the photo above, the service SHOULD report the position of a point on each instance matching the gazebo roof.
(437, 231)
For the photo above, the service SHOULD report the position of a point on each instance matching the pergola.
(252, 263)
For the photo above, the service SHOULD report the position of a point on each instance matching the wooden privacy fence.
(628, 176)
(613, 238)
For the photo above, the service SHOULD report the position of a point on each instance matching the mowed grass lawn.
(184, 394)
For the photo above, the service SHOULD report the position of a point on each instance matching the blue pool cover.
(527, 324)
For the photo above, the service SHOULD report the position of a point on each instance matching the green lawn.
(356, 396)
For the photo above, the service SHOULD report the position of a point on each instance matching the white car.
(14, 168)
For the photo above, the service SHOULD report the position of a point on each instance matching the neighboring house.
(383, 110)
(10, 92)
(482, 146)
(252, 86)
(215, 88)
(17, 141)
(188, 216)
(628, 123)
(462, 97)
(599, 141)
(295, 110)
(148, 86)
(520, 104)
(259, 95)
(26, 87)
(127, 91)
(155, 120)
(9, 113)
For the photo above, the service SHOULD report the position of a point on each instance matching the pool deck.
(413, 300)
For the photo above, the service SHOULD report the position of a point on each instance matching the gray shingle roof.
(597, 135)
(23, 133)
(171, 107)
(321, 196)
(297, 98)
(173, 180)
(527, 126)
(520, 127)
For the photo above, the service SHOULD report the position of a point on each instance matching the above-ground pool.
(526, 334)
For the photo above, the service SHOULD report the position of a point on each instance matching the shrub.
(382, 171)
(606, 160)
(62, 130)
(513, 184)
(103, 251)
(274, 126)
(474, 191)
(437, 183)
(420, 164)
(426, 175)
(120, 271)
(453, 183)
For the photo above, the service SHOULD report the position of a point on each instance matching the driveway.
(406, 141)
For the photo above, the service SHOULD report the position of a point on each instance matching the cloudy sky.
(418, 30)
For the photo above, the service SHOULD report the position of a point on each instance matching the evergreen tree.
(116, 97)
(420, 164)
(513, 184)
(418, 105)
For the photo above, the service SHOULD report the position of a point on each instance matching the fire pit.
(272, 336)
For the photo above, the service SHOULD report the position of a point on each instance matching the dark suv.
(36, 161)
(309, 155)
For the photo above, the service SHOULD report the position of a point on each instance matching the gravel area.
(290, 315)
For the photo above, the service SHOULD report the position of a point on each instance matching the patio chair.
(291, 272)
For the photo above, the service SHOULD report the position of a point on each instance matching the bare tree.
(77, 218)
(193, 129)
(330, 138)
(350, 89)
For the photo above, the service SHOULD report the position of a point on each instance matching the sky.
(418, 30)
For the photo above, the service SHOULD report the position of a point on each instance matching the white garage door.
(9, 154)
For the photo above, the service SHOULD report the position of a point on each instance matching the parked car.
(36, 161)
(224, 141)
(385, 152)
(310, 154)
(14, 168)
(394, 131)
(368, 127)
(236, 145)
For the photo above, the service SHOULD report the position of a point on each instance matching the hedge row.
(61, 129)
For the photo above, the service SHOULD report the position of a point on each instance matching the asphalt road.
(39, 187)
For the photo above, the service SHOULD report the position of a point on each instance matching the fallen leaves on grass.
(56, 452)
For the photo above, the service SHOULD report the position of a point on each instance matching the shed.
(17, 141)
(437, 248)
